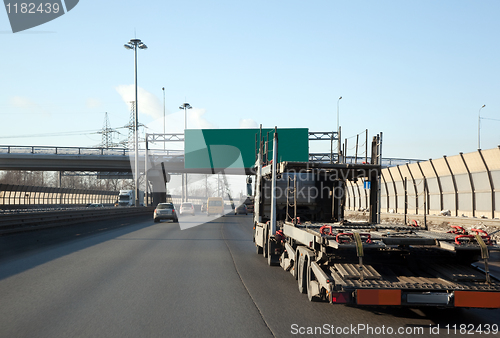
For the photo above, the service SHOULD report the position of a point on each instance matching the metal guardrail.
(44, 150)
(62, 150)
(386, 161)
(14, 223)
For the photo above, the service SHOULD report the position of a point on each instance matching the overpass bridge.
(117, 160)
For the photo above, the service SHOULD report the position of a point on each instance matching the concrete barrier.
(13, 223)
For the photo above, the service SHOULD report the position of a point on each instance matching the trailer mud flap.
(490, 300)
(287, 259)
(378, 297)
(259, 236)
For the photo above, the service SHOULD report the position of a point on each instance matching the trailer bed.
(401, 265)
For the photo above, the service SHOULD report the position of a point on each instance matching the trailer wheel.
(264, 248)
(313, 287)
(302, 273)
(272, 258)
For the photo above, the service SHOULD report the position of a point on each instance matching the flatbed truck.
(299, 225)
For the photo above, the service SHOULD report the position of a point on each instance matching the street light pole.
(340, 98)
(185, 106)
(479, 128)
(163, 88)
(133, 44)
(338, 131)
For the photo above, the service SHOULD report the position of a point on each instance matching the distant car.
(187, 208)
(241, 209)
(165, 211)
(95, 205)
(204, 207)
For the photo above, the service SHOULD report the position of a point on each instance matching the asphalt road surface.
(136, 278)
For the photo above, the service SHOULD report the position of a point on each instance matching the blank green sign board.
(235, 148)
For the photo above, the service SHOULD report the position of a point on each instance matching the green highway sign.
(235, 148)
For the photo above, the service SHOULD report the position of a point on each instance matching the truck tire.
(302, 274)
(312, 283)
(264, 248)
(176, 220)
(272, 258)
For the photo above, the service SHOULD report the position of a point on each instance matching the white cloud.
(28, 105)
(23, 102)
(197, 121)
(149, 104)
(93, 103)
(248, 123)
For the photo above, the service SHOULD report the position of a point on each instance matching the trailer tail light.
(477, 299)
(378, 297)
(340, 297)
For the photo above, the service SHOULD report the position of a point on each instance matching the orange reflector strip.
(477, 299)
(378, 297)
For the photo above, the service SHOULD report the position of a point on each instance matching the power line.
(488, 118)
(66, 133)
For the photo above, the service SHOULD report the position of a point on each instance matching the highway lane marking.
(243, 282)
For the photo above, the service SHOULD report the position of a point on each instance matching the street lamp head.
(340, 98)
(483, 106)
(143, 46)
(135, 41)
(185, 105)
(128, 46)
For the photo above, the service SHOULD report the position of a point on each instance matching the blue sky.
(416, 70)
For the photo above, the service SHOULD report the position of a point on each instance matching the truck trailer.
(299, 225)
(126, 198)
